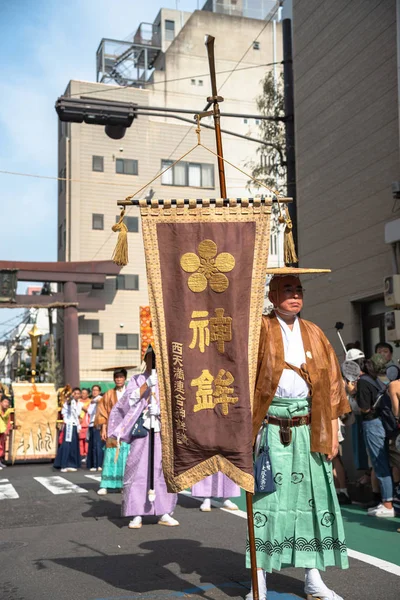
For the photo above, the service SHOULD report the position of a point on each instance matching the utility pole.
(289, 123)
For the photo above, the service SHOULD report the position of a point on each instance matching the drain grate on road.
(7, 546)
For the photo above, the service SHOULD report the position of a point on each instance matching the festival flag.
(206, 267)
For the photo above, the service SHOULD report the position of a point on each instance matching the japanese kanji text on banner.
(206, 266)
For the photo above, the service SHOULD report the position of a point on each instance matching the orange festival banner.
(146, 331)
(35, 419)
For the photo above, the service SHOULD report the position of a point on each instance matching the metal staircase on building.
(129, 63)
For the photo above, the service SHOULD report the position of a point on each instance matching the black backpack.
(382, 407)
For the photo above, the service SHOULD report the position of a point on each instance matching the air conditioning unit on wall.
(391, 287)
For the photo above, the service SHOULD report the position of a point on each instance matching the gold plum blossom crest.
(207, 267)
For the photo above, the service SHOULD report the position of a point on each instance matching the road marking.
(367, 558)
(95, 477)
(7, 490)
(58, 485)
(376, 562)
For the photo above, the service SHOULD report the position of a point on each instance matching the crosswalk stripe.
(7, 490)
(95, 477)
(58, 485)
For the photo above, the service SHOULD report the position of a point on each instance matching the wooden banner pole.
(215, 100)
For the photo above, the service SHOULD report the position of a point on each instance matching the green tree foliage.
(268, 166)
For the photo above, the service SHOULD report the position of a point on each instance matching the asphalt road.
(76, 546)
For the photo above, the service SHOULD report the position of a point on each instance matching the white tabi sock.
(315, 588)
(262, 586)
(206, 505)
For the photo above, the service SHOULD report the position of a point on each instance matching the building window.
(245, 121)
(98, 163)
(97, 221)
(132, 223)
(126, 166)
(200, 82)
(256, 45)
(193, 81)
(127, 341)
(169, 30)
(188, 174)
(257, 121)
(98, 286)
(97, 341)
(127, 282)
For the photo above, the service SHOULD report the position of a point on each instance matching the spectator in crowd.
(386, 350)
(394, 452)
(360, 457)
(368, 388)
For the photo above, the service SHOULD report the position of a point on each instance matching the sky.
(44, 44)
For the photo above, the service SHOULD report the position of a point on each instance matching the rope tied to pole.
(120, 255)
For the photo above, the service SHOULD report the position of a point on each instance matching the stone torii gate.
(69, 274)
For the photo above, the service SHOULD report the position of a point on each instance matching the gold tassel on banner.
(120, 255)
(289, 247)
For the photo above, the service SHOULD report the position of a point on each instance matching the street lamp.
(115, 116)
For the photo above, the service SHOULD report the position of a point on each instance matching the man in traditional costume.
(95, 455)
(68, 456)
(299, 396)
(216, 486)
(83, 433)
(113, 470)
(5, 427)
(141, 399)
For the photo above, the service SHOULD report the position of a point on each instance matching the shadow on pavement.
(175, 566)
(359, 515)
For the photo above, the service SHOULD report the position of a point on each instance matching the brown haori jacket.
(104, 407)
(329, 399)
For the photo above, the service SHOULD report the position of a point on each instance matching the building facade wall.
(149, 141)
(347, 153)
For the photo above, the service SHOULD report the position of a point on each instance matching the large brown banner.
(206, 266)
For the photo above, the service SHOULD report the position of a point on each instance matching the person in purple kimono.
(142, 398)
(216, 486)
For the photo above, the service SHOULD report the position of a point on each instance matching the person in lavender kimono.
(142, 398)
(216, 486)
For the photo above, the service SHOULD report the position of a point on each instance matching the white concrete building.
(166, 66)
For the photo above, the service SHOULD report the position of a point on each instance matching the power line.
(144, 84)
(16, 317)
(251, 45)
(158, 171)
(18, 173)
(25, 320)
